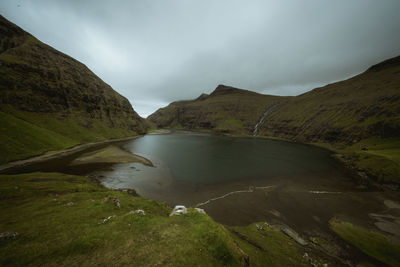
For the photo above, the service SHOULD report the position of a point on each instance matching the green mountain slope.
(227, 110)
(367, 105)
(50, 101)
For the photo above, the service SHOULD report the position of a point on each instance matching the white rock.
(178, 210)
(107, 219)
(8, 235)
(200, 210)
(117, 203)
(141, 212)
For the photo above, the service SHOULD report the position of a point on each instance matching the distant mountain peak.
(225, 90)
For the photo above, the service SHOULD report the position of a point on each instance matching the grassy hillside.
(367, 105)
(373, 157)
(26, 134)
(227, 110)
(50, 101)
(372, 243)
(60, 220)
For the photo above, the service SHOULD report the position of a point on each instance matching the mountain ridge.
(214, 113)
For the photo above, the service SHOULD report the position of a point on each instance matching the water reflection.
(214, 159)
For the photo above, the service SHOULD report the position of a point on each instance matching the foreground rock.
(292, 234)
(178, 210)
(8, 236)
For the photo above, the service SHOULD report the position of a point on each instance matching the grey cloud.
(155, 52)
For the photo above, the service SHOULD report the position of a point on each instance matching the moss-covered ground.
(268, 246)
(378, 158)
(65, 220)
(60, 217)
(27, 134)
(372, 243)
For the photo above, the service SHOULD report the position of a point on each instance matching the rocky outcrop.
(178, 210)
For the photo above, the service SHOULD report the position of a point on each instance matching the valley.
(302, 180)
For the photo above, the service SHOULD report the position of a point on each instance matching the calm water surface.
(188, 167)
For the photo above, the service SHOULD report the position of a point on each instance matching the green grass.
(26, 134)
(233, 113)
(21, 139)
(229, 125)
(270, 247)
(380, 160)
(382, 168)
(391, 154)
(53, 233)
(370, 242)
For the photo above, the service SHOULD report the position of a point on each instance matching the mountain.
(227, 110)
(358, 117)
(367, 105)
(50, 101)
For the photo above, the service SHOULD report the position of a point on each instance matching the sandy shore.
(62, 153)
(110, 154)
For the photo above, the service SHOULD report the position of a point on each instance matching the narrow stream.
(260, 121)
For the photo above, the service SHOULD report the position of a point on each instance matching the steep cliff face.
(39, 84)
(367, 105)
(226, 110)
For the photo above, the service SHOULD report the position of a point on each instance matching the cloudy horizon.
(156, 52)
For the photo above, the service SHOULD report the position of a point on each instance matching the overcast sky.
(157, 51)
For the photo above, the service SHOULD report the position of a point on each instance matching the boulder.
(200, 210)
(107, 219)
(8, 236)
(140, 212)
(178, 210)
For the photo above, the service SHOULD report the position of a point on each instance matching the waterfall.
(255, 131)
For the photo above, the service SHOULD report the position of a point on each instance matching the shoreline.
(110, 154)
(360, 176)
(66, 152)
